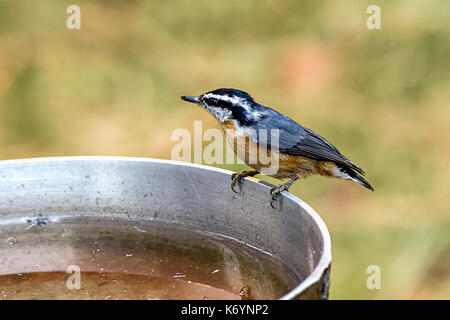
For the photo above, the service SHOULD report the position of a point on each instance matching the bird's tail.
(347, 173)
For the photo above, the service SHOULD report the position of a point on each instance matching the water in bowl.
(123, 259)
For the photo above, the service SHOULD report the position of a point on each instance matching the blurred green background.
(381, 96)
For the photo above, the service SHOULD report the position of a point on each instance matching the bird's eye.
(212, 101)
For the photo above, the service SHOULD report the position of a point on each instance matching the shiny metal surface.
(42, 190)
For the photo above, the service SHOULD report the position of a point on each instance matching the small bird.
(300, 151)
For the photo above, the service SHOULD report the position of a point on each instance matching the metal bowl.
(44, 199)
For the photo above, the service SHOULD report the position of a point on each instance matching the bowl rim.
(316, 274)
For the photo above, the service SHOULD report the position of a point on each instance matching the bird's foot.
(237, 176)
(275, 191)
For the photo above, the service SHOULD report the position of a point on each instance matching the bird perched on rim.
(300, 151)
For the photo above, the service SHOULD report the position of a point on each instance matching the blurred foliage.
(381, 96)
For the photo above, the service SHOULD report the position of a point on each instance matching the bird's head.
(229, 105)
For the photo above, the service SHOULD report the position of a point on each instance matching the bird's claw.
(235, 178)
(272, 201)
(274, 192)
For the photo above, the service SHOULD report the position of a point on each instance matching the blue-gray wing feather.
(295, 139)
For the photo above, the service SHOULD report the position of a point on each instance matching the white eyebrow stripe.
(222, 115)
(233, 100)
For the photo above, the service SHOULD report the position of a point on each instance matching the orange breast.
(289, 165)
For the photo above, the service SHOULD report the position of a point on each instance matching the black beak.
(191, 99)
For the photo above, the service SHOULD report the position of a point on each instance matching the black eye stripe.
(214, 102)
(238, 111)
